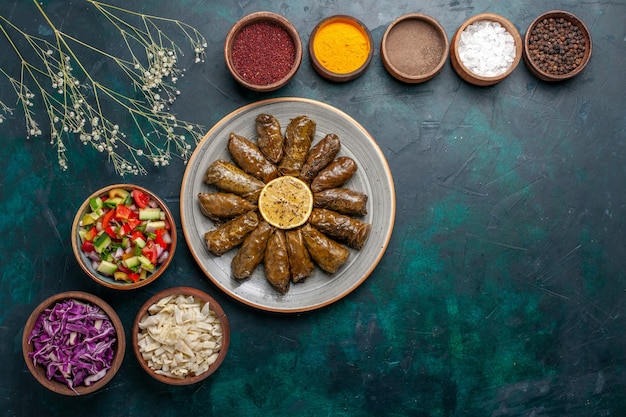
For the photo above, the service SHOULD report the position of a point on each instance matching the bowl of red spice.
(485, 49)
(414, 48)
(73, 343)
(557, 46)
(263, 51)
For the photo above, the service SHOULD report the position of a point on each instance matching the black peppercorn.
(556, 46)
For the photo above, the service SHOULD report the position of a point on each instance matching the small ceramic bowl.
(263, 51)
(414, 48)
(357, 44)
(468, 75)
(39, 371)
(158, 242)
(571, 49)
(217, 322)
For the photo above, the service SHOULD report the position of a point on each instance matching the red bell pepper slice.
(106, 219)
(91, 234)
(141, 198)
(133, 276)
(125, 229)
(159, 238)
(110, 230)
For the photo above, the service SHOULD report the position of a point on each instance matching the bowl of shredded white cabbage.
(180, 336)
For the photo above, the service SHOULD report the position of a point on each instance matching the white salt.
(486, 48)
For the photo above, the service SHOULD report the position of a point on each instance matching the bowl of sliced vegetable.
(124, 236)
(73, 343)
(180, 336)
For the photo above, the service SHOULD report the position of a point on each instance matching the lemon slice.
(286, 202)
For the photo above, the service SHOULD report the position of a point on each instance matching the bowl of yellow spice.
(340, 48)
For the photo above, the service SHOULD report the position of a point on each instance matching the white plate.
(373, 178)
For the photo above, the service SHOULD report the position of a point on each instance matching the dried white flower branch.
(77, 103)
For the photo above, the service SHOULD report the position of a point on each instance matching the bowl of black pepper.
(263, 51)
(557, 46)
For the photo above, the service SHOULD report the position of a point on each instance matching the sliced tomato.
(133, 222)
(141, 199)
(137, 235)
(122, 212)
(134, 277)
(150, 251)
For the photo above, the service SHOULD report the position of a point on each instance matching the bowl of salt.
(485, 49)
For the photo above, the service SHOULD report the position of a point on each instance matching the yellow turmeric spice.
(341, 46)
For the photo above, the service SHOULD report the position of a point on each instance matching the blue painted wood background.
(503, 289)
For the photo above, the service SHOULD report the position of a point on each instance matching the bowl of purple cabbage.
(123, 236)
(73, 343)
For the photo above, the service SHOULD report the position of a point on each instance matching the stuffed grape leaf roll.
(353, 232)
(327, 254)
(231, 234)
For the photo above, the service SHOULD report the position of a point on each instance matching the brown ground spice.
(414, 47)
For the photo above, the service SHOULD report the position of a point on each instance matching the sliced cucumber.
(151, 213)
(101, 242)
(107, 268)
(145, 263)
(131, 262)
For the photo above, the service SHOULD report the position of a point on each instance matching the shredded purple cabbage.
(74, 342)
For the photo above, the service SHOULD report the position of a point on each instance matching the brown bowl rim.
(409, 78)
(261, 16)
(102, 280)
(335, 76)
(214, 305)
(468, 75)
(39, 372)
(552, 77)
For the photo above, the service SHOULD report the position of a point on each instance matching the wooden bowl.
(258, 55)
(197, 295)
(340, 46)
(414, 48)
(39, 371)
(87, 264)
(541, 71)
(464, 72)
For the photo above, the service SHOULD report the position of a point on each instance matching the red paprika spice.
(263, 53)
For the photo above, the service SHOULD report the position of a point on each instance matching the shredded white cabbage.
(180, 336)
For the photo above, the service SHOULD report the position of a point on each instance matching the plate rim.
(264, 102)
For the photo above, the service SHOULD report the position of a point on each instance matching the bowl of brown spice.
(557, 46)
(263, 51)
(414, 48)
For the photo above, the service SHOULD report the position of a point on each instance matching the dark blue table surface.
(501, 293)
